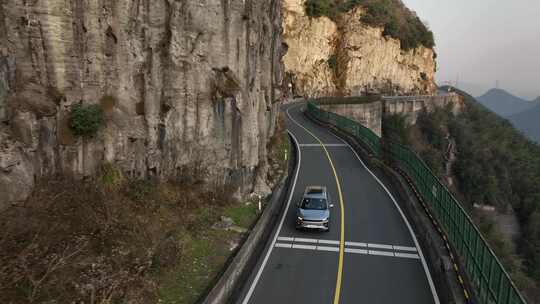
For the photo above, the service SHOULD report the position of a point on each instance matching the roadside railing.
(365, 135)
(485, 272)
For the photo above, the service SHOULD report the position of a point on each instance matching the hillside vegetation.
(114, 241)
(495, 165)
(527, 122)
(396, 19)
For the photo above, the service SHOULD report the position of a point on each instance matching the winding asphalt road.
(369, 256)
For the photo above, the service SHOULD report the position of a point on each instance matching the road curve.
(369, 256)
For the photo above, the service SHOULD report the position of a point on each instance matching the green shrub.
(378, 13)
(141, 191)
(110, 175)
(319, 8)
(85, 120)
(397, 21)
(391, 29)
(396, 128)
(332, 62)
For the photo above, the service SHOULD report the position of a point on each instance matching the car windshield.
(314, 204)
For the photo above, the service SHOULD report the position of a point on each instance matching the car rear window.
(315, 191)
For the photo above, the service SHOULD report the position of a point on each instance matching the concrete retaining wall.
(411, 106)
(367, 114)
(371, 114)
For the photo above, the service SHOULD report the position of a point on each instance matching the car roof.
(315, 192)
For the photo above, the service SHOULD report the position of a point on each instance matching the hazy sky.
(483, 41)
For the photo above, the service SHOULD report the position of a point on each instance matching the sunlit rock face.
(345, 57)
(189, 89)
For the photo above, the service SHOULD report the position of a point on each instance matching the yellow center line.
(342, 206)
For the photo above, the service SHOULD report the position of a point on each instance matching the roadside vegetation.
(278, 146)
(86, 120)
(495, 165)
(115, 240)
(111, 239)
(397, 20)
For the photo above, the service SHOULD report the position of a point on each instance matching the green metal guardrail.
(365, 135)
(485, 272)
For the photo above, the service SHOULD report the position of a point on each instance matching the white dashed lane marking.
(301, 240)
(380, 246)
(359, 251)
(309, 247)
(351, 247)
(406, 255)
(283, 245)
(355, 244)
(404, 248)
(327, 248)
(330, 242)
(381, 253)
(286, 239)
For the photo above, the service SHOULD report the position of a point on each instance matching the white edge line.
(407, 255)
(267, 256)
(411, 231)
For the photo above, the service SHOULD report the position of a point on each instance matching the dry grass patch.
(114, 241)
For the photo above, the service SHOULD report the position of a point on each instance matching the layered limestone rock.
(189, 89)
(346, 57)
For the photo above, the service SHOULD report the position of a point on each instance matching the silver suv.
(313, 211)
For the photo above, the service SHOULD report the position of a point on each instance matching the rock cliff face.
(345, 57)
(189, 88)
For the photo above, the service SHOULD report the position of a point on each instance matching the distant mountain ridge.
(504, 103)
(528, 122)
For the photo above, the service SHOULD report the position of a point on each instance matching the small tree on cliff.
(85, 120)
(319, 8)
